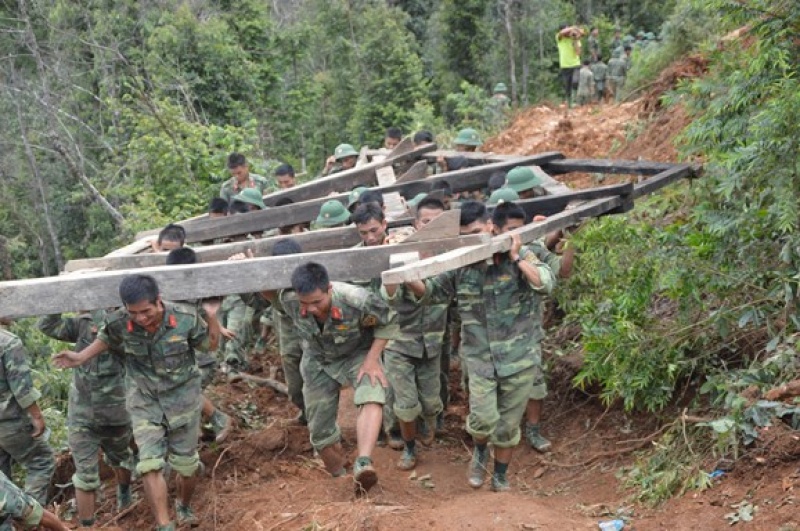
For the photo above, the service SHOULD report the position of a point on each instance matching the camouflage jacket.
(616, 67)
(599, 70)
(97, 391)
(230, 187)
(289, 341)
(202, 357)
(594, 46)
(357, 316)
(17, 392)
(18, 506)
(585, 81)
(161, 371)
(501, 312)
(422, 327)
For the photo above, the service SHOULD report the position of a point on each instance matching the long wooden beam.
(676, 173)
(632, 167)
(303, 212)
(76, 292)
(469, 255)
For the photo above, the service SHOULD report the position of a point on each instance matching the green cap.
(522, 178)
(355, 195)
(500, 87)
(343, 151)
(468, 137)
(503, 195)
(332, 213)
(251, 196)
(417, 198)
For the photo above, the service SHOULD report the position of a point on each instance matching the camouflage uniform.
(412, 361)
(599, 70)
(206, 361)
(616, 76)
(16, 506)
(594, 47)
(16, 443)
(96, 416)
(333, 355)
(163, 384)
(585, 85)
(553, 260)
(238, 318)
(501, 327)
(230, 187)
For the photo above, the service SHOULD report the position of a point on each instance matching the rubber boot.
(334, 460)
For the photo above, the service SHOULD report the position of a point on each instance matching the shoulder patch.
(369, 321)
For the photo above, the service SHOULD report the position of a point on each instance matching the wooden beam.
(471, 156)
(76, 292)
(138, 246)
(306, 211)
(660, 180)
(469, 255)
(626, 167)
(445, 225)
(553, 204)
(346, 180)
(416, 172)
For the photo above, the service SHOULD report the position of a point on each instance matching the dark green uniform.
(16, 506)
(231, 187)
(17, 393)
(96, 417)
(163, 384)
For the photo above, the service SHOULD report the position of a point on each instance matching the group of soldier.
(588, 77)
(139, 371)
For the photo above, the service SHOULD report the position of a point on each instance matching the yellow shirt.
(568, 56)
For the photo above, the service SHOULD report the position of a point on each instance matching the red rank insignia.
(130, 326)
(336, 313)
(173, 322)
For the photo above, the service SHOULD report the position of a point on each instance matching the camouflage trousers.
(416, 385)
(444, 368)
(322, 381)
(35, 455)
(157, 441)
(615, 85)
(84, 443)
(496, 406)
(238, 317)
(291, 350)
(207, 365)
(16, 506)
(584, 97)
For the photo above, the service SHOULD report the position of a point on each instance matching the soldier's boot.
(364, 475)
(222, 425)
(408, 459)
(535, 439)
(500, 482)
(476, 473)
(334, 460)
(429, 436)
(124, 498)
(185, 515)
(394, 440)
(440, 423)
(86, 522)
(169, 527)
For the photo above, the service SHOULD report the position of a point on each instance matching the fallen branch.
(266, 382)
(787, 390)
(123, 514)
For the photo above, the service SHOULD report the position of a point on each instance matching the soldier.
(218, 208)
(96, 416)
(422, 138)
(503, 195)
(354, 199)
(284, 176)
(468, 140)
(159, 339)
(171, 237)
(525, 182)
(344, 158)
(344, 329)
(616, 75)
(585, 84)
(21, 508)
(617, 41)
(413, 361)
(498, 104)
(599, 70)
(241, 178)
(220, 423)
(332, 214)
(23, 435)
(250, 197)
(500, 308)
(594, 44)
(392, 137)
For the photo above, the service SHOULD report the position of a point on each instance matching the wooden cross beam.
(462, 180)
(92, 290)
(642, 167)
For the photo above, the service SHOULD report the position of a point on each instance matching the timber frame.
(92, 282)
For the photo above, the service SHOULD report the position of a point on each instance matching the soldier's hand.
(38, 426)
(330, 161)
(373, 370)
(242, 256)
(539, 217)
(65, 359)
(516, 245)
(226, 333)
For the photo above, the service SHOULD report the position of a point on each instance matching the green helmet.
(343, 151)
(468, 137)
(417, 198)
(522, 178)
(650, 36)
(355, 195)
(332, 213)
(500, 87)
(503, 195)
(251, 196)
(640, 34)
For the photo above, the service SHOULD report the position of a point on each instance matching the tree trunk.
(508, 6)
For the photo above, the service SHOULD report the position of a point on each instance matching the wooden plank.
(445, 225)
(75, 292)
(393, 206)
(141, 244)
(626, 167)
(469, 255)
(472, 156)
(346, 180)
(318, 240)
(385, 176)
(658, 181)
(553, 204)
(416, 172)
